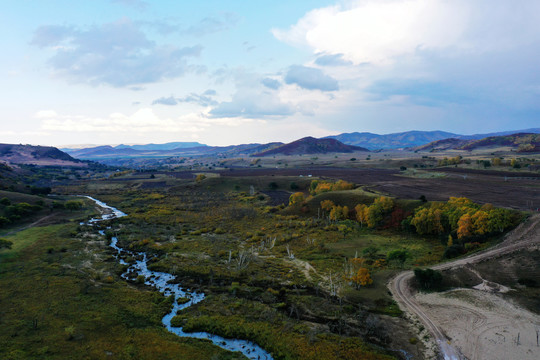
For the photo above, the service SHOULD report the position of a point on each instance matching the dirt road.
(524, 236)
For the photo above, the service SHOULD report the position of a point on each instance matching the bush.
(453, 251)
(428, 279)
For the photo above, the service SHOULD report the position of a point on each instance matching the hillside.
(391, 141)
(107, 152)
(521, 143)
(37, 155)
(310, 145)
(412, 138)
(439, 145)
(166, 146)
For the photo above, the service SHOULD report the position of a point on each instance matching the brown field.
(516, 190)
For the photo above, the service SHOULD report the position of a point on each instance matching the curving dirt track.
(428, 309)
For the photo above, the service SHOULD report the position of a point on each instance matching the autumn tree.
(362, 277)
(327, 205)
(385, 203)
(296, 198)
(336, 213)
(480, 220)
(465, 226)
(374, 215)
(345, 212)
(361, 213)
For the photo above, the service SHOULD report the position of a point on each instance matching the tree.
(327, 205)
(374, 215)
(465, 226)
(385, 202)
(362, 277)
(345, 211)
(200, 177)
(73, 205)
(480, 221)
(370, 252)
(361, 213)
(5, 244)
(296, 198)
(428, 279)
(3, 221)
(336, 213)
(398, 256)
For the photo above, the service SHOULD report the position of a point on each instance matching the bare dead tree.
(289, 253)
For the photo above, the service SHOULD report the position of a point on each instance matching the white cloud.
(118, 54)
(378, 31)
(143, 121)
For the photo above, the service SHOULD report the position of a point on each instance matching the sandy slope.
(483, 325)
(472, 323)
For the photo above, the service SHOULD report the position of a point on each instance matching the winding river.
(161, 281)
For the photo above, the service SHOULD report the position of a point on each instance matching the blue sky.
(229, 72)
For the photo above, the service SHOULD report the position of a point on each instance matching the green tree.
(398, 256)
(428, 279)
(73, 205)
(5, 244)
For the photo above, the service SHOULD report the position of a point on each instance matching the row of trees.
(320, 186)
(462, 217)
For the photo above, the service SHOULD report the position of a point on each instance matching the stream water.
(162, 282)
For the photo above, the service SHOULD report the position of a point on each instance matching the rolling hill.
(391, 141)
(311, 145)
(521, 143)
(412, 138)
(37, 155)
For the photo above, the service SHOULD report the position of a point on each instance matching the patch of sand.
(482, 325)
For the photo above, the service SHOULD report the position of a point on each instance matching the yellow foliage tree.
(345, 211)
(465, 226)
(296, 198)
(327, 205)
(361, 213)
(480, 220)
(362, 277)
(385, 202)
(336, 213)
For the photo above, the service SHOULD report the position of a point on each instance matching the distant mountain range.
(411, 138)
(166, 146)
(521, 143)
(343, 143)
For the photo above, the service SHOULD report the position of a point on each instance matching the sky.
(228, 72)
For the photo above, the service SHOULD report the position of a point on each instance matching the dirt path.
(440, 316)
(35, 223)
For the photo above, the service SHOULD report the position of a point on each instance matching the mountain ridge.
(37, 155)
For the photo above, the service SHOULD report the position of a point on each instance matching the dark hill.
(310, 145)
(521, 143)
(36, 155)
(446, 144)
(391, 141)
